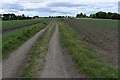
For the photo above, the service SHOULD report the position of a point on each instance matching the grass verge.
(84, 55)
(35, 60)
(12, 40)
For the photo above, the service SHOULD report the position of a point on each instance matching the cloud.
(33, 5)
(64, 4)
(38, 1)
(58, 7)
(48, 10)
(12, 6)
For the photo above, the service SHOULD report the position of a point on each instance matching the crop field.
(85, 55)
(14, 24)
(102, 34)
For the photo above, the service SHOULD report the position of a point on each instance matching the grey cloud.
(48, 10)
(12, 6)
(64, 4)
(51, 8)
(12, 10)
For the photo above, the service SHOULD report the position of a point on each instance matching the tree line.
(16, 17)
(60, 16)
(101, 15)
(81, 15)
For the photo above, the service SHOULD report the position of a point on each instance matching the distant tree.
(101, 14)
(35, 17)
(78, 15)
(104, 15)
(92, 16)
(14, 17)
(84, 15)
(109, 14)
(6, 17)
(49, 16)
(118, 16)
(81, 15)
(66, 16)
(114, 16)
(0, 16)
(23, 15)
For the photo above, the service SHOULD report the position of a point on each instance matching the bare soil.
(11, 66)
(57, 63)
(104, 42)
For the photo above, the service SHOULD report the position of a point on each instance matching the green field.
(108, 26)
(12, 24)
(12, 40)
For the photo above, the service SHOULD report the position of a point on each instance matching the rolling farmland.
(90, 58)
(60, 48)
(103, 34)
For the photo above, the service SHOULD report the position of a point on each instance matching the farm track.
(12, 65)
(13, 29)
(58, 64)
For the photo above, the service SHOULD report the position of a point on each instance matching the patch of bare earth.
(104, 42)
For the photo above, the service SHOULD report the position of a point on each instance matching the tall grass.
(84, 55)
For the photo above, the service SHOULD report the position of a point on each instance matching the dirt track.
(13, 63)
(58, 64)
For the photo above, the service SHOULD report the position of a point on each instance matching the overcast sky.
(57, 7)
